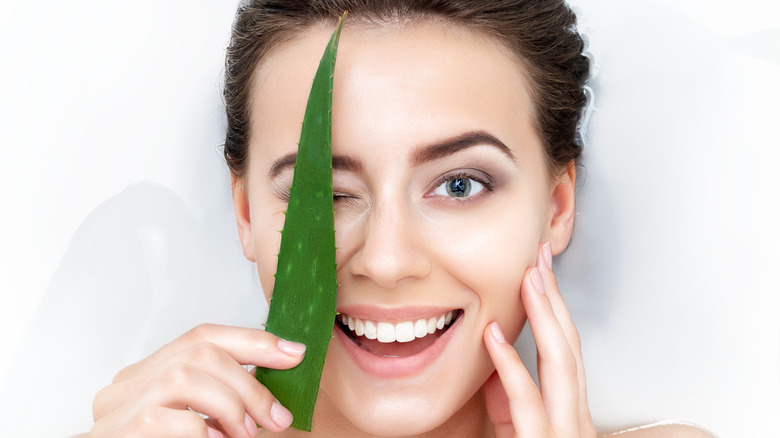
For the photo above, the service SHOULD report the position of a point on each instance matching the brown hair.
(542, 33)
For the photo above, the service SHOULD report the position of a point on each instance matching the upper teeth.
(405, 331)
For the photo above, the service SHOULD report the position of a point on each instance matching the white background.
(671, 276)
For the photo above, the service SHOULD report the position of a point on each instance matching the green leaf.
(303, 304)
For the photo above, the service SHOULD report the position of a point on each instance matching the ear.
(241, 208)
(562, 209)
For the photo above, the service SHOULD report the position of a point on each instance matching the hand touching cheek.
(559, 407)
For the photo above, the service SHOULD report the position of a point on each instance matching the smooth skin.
(401, 241)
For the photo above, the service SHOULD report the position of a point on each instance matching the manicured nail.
(498, 335)
(294, 349)
(281, 416)
(251, 426)
(547, 254)
(536, 279)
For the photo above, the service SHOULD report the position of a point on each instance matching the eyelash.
(284, 195)
(483, 179)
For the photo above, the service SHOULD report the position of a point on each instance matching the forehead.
(395, 87)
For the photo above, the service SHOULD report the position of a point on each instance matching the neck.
(470, 421)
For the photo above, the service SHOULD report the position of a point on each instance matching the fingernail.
(214, 433)
(281, 416)
(547, 253)
(251, 426)
(294, 349)
(536, 279)
(498, 335)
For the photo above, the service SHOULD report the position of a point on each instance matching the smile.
(389, 349)
(386, 332)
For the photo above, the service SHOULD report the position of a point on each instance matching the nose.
(392, 249)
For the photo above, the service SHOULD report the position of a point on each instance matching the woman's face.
(441, 198)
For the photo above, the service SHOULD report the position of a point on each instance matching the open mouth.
(396, 339)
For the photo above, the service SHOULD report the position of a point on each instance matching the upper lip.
(397, 314)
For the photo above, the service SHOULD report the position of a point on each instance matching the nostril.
(387, 271)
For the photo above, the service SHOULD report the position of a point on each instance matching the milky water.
(123, 234)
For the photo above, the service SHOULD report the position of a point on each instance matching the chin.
(396, 413)
(403, 396)
(403, 416)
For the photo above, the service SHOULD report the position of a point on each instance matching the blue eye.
(459, 187)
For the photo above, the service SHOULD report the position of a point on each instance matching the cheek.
(490, 257)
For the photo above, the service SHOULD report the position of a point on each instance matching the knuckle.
(566, 361)
(205, 352)
(147, 419)
(570, 364)
(265, 343)
(100, 404)
(200, 333)
(124, 373)
(178, 375)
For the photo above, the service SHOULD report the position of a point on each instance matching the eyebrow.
(456, 144)
(340, 162)
(422, 155)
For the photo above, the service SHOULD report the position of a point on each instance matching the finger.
(183, 386)
(559, 307)
(564, 318)
(556, 363)
(209, 359)
(258, 400)
(246, 346)
(525, 407)
(155, 422)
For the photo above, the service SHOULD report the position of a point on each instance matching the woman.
(455, 147)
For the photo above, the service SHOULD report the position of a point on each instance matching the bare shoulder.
(661, 430)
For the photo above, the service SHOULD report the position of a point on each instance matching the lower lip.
(395, 367)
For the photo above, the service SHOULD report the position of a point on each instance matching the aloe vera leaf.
(303, 303)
